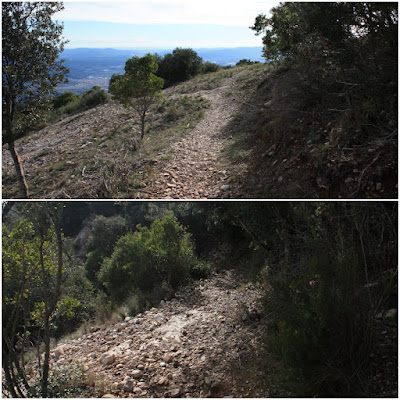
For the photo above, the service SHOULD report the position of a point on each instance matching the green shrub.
(144, 259)
(113, 79)
(94, 97)
(105, 231)
(200, 270)
(64, 99)
(318, 334)
(93, 263)
(209, 67)
(69, 103)
(64, 381)
(246, 62)
(179, 66)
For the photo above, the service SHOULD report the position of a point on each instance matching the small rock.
(162, 364)
(176, 392)
(349, 180)
(59, 351)
(225, 187)
(137, 374)
(107, 358)
(391, 314)
(162, 381)
(280, 179)
(379, 186)
(137, 391)
(108, 396)
(168, 358)
(128, 385)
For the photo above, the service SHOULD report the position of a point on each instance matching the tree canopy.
(139, 87)
(31, 69)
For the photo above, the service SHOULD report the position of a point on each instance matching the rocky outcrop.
(195, 345)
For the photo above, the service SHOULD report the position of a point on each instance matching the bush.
(319, 337)
(93, 263)
(179, 66)
(147, 257)
(94, 97)
(105, 232)
(246, 62)
(322, 299)
(64, 381)
(114, 78)
(72, 104)
(209, 67)
(64, 99)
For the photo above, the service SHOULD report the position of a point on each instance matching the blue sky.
(162, 23)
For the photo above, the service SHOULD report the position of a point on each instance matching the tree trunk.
(143, 117)
(45, 374)
(23, 187)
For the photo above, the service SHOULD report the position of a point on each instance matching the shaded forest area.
(328, 272)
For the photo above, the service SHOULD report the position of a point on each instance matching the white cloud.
(216, 12)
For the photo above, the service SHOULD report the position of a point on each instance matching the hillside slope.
(202, 343)
(244, 132)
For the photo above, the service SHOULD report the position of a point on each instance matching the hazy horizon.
(161, 24)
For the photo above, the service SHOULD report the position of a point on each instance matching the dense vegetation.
(69, 103)
(182, 65)
(328, 269)
(333, 91)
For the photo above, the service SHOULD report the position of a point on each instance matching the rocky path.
(195, 171)
(206, 342)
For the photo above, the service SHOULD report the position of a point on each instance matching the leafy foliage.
(327, 269)
(347, 53)
(31, 69)
(138, 88)
(143, 259)
(33, 252)
(209, 66)
(64, 98)
(68, 103)
(179, 66)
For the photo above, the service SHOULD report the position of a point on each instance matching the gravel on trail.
(205, 342)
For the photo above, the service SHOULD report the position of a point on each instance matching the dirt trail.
(195, 171)
(206, 342)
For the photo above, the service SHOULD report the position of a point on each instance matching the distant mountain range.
(89, 67)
